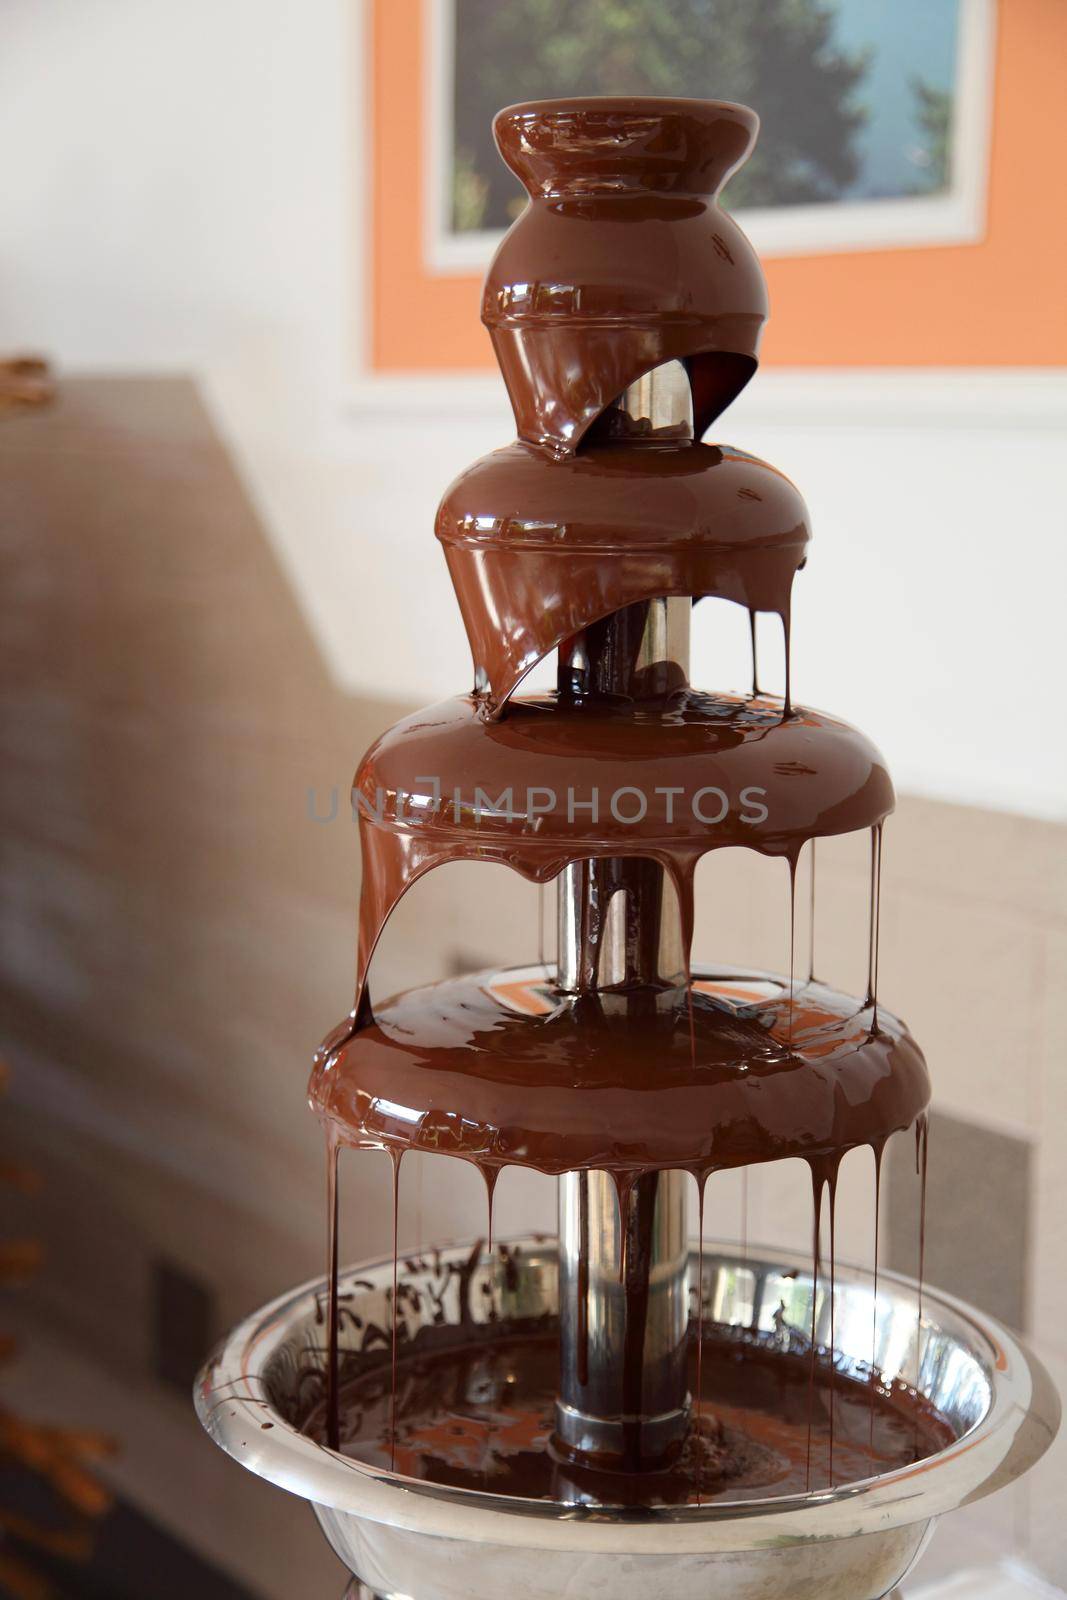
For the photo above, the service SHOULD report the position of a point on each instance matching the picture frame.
(943, 281)
(954, 214)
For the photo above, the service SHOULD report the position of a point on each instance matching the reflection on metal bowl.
(407, 1539)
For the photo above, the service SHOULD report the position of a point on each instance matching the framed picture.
(875, 113)
(899, 192)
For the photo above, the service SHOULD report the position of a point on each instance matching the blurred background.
(240, 256)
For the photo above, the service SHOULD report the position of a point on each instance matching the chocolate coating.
(501, 1069)
(622, 260)
(538, 550)
(711, 771)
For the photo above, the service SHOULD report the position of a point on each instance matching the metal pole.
(619, 929)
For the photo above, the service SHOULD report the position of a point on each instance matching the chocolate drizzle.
(555, 781)
(332, 1311)
(622, 261)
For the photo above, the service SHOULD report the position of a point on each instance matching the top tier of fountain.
(622, 260)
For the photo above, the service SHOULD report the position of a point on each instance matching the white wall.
(181, 182)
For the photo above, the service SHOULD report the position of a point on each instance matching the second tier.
(502, 1069)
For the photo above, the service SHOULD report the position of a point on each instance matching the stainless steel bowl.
(409, 1540)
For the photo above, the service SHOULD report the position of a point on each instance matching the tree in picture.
(933, 117)
(779, 55)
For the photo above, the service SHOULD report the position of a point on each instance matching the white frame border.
(831, 228)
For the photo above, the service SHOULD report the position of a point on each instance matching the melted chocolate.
(539, 549)
(501, 1069)
(480, 1417)
(623, 260)
(672, 779)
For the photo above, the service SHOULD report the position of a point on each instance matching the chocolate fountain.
(620, 1413)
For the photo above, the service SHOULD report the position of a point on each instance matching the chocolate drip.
(332, 1414)
(554, 782)
(831, 1195)
(875, 919)
(824, 1172)
(396, 1157)
(922, 1139)
(792, 861)
(490, 1175)
(698, 1385)
(811, 913)
(878, 1150)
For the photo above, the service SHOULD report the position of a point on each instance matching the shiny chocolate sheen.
(538, 550)
(622, 260)
(579, 537)
(500, 1069)
(612, 145)
(652, 767)
(480, 1418)
(779, 781)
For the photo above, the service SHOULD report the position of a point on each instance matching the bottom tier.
(427, 1541)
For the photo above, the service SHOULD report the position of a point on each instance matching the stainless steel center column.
(620, 937)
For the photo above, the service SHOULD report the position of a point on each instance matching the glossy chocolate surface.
(622, 260)
(554, 781)
(481, 1418)
(501, 1069)
(566, 540)
(538, 550)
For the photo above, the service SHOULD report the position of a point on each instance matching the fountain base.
(409, 1539)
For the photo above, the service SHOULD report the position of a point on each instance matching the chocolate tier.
(501, 1069)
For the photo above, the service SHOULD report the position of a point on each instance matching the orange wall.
(998, 302)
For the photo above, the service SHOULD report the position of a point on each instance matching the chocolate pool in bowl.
(404, 1535)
